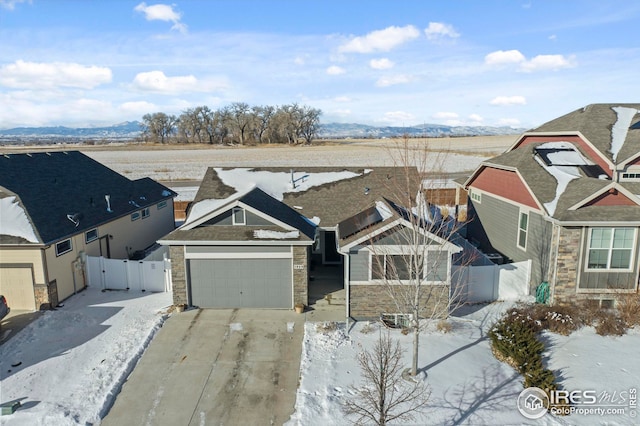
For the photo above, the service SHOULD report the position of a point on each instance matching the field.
(171, 163)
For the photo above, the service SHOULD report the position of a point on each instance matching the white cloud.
(381, 64)
(342, 99)
(299, 60)
(38, 75)
(137, 108)
(553, 37)
(11, 4)
(446, 116)
(158, 82)
(538, 63)
(438, 31)
(476, 119)
(502, 57)
(381, 40)
(335, 70)
(511, 122)
(162, 12)
(392, 80)
(548, 62)
(508, 100)
(399, 118)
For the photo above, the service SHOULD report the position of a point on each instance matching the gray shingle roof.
(336, 201)
(53, 185)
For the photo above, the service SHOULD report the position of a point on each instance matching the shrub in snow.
(610, 325)
(629, 308)
(444, 326)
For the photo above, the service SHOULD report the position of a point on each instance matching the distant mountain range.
(131, 129)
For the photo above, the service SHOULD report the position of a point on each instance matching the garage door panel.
(16, 284)
(241, 283)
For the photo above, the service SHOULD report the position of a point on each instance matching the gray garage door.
(241, 283)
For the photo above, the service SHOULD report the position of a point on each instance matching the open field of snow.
(174, 163)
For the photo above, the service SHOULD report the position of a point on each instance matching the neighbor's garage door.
(16, 284)
(241, 283)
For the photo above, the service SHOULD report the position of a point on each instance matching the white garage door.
(241, 283)
(16, 284)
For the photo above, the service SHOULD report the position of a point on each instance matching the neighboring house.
(253, 235)
(58, 207)
(567, 196)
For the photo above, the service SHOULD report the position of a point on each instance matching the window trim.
(398, 251)
(60, 253)
(162, 204)
(145, 213)
(87, 240)
(475, 195)
(522, 214)
(233, 216)
(632, 250)
(135, 216)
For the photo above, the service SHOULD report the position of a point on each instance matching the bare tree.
(158, 126)
(262, 119)
(310, 123)
(385, 396)
(414, 263)
(241, 117)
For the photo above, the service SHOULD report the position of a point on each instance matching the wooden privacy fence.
(476, 284)
(122, 274)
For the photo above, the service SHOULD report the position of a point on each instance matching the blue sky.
(400, 63)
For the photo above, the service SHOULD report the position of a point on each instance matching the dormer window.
(238, 216)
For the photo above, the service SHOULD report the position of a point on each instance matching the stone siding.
(369, 301)
(178, 275)
(301, 256)
(566, 264)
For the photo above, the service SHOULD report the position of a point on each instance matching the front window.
(239, 217)
(392, 267)
(145, 213)
(523, 226)
(611, 248)
(63, 247)
(91, 235)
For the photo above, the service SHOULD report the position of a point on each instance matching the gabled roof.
(352, 190)
(283, 219)
(563, 176)
(54, 188)
(603, 125)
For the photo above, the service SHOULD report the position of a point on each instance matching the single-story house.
(567, 196)
(253, 235)
(56, 208)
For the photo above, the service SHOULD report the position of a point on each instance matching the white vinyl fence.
(475, 284)
(122, 274)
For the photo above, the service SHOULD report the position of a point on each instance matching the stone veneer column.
(301, 276)
(178, 276)
(567, 261)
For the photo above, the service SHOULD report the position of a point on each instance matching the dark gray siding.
(403, 236)
(494, 226)
(226, 219)
(437, 266)
(359, 265)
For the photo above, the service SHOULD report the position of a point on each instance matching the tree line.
(237, 123)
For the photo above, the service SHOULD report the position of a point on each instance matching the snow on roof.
(620, 128)
(563, 175)
(203, 207)
(265, 234)
(14, 221)
(383, 210)
(277, 184)
(561, 154)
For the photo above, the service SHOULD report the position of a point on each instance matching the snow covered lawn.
(467, 384)
(66, 367)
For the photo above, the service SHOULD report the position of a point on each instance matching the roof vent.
(108, 200)
(75, 218)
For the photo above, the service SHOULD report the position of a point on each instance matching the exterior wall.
(359, 265)
(504, 183)
(251, 219)
(26, 261)
(301, 258)
(178, 275)
(61, 268)
(494, 224)
(576, 140)
(369, 301)
(609, 199)
(130, 236)
(566, 262)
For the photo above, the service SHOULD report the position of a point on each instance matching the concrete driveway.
(222, 367)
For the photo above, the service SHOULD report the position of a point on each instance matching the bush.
(629, 308)
(514, 337)
(444, 326)
(610, 325)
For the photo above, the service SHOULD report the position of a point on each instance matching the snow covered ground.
(66, 367)
(467, 384)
